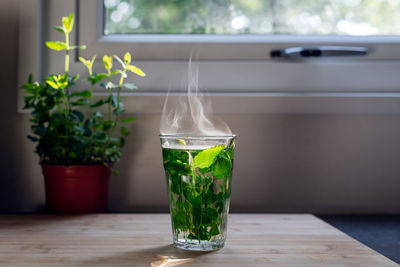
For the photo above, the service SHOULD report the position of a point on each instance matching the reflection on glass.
(339, 17)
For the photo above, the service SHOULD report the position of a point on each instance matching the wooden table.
(145, 240)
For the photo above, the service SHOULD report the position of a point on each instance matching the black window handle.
(320, 51)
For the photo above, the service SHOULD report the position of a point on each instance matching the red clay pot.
(76, 189)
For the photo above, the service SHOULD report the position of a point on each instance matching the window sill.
(277, 103)
(273, 103)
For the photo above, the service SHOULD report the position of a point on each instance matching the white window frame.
(250, 83)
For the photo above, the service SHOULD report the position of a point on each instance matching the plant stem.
(92, 136)
(108, 116)
(67, 53)
(109, 105)
(67, 105)
(109, 95)
(192, 167)
(66, 61)
(65, 100)
(121, 82)
(91, 99)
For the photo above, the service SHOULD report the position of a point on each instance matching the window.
(298, 17)
(231, 42)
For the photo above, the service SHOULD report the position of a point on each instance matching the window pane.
(334, 17)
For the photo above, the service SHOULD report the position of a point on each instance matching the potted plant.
(77, 142)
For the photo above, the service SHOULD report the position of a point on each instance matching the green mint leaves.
(66, 28)
(58, 81)
(135, 70)
(198, 187)
(56, 45)
(107, 61)
(127, 58)
(126, 65)
(88, 63)
(68, 22)
(69, 125)
(207, 157)
(222, 166)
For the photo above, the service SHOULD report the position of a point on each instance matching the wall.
(21, 188)
(284, 163)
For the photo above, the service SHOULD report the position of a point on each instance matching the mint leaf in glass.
(207, 157)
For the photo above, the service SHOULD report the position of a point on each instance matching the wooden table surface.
(145, 240)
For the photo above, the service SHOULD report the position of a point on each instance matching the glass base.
(194, 245)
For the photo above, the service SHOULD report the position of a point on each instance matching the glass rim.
(197, 136)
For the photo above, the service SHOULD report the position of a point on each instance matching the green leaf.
(109, 85)
(191, 236)
(97, 78)
(76, 115)
(80, 47)
(122, 142)
(56, 45)
(211, 213)
(65, 22)
(114, 100)
(127, 58)
(68, 22)
(129, 119)
(119, 111)
(124, 131)
(93, 59)
(52, 84)
(98, 103)
(107, 61)
(123, 74)
(79, 129)
(76, 77)
(178, 218)
(38, 130)
(97, 115)
(129, 86)
(89, 65)
(214, 230)
(84, 61)
(119, 60)
(85, 94)
(135, 70)
(61, 29)
(100, 136)
(80, 102)
(207, 157)
(106, 125)
(32, 138)
(30, 87)
(222, 167)
(58, 81)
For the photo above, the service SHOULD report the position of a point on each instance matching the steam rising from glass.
(191, 114)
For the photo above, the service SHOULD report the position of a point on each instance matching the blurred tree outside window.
(294, 17)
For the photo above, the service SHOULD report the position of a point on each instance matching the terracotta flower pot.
(76, 189)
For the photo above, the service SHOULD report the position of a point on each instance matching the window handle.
(320, 51)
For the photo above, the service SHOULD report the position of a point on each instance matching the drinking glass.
(199, 174)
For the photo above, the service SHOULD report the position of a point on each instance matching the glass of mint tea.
(199, 176)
